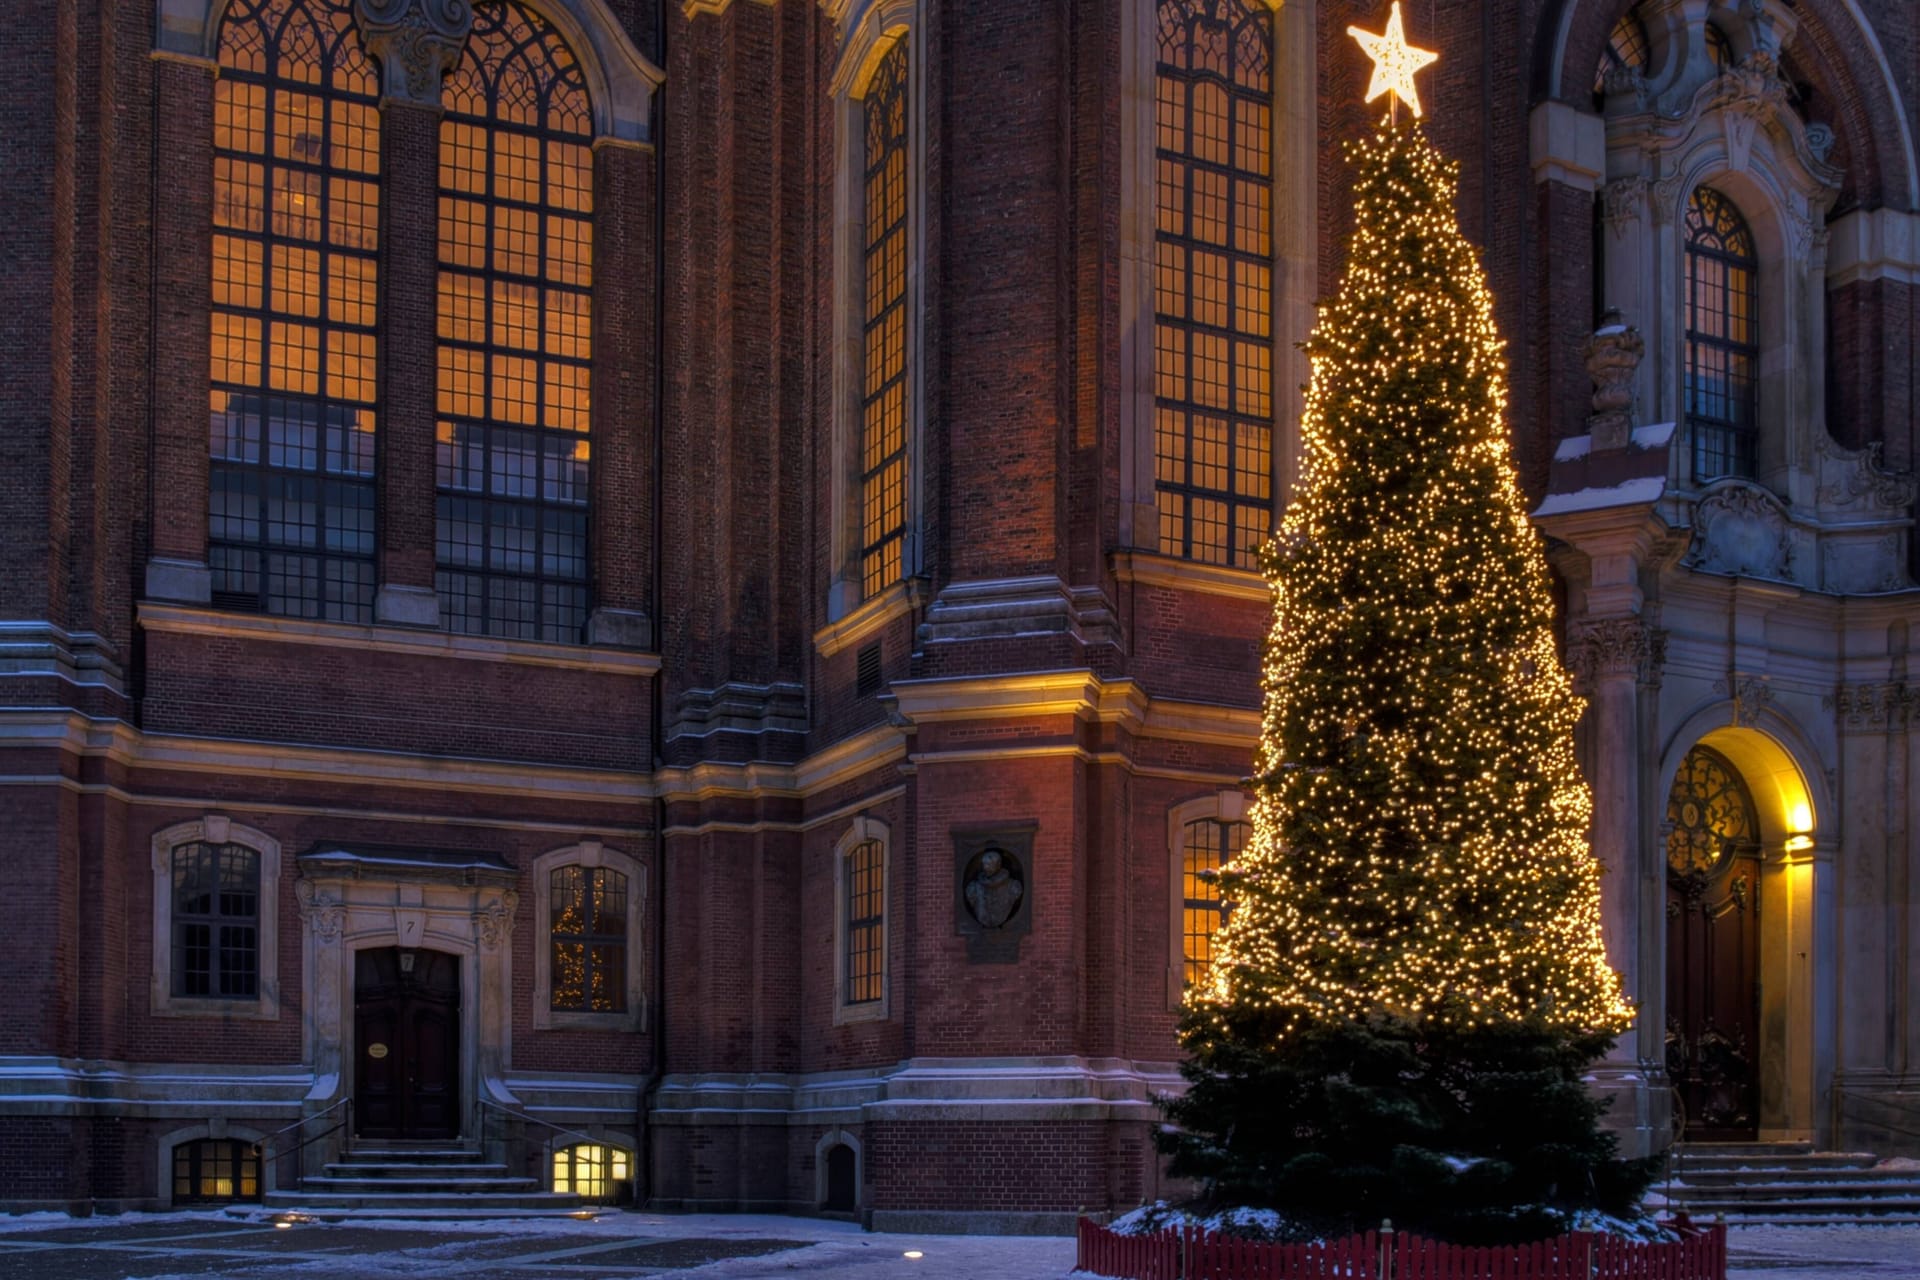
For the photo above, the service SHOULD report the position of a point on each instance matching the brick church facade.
(668, 589)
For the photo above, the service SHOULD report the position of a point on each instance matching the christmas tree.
(1412, 976)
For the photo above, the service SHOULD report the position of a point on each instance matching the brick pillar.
(409, 162)
(624, 367)
(183, 301)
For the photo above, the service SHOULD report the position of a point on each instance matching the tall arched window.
(883, 380)
(1208, 845)
(1213, 279)
(1723, 349)
(515, 332)
(296, 218)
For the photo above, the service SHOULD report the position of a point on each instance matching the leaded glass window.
(1710, 816)
(865, 880)
(296, 218)
(1208, 845)
(216, 921)
(515, 333)
(1627, 46)
(588, 934)
(1213, 279)
(1722, 342)
(883, 383)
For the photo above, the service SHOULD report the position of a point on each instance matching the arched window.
(593, 1172)
(588, 902)
(296, 218)
(1208, 844)
(1723, 349)
(1213, 279)
(883, 379)
(1710, 815)
(215, 924)
(1627, 48)
(515, 332)
(860, 923)
(215, 1171)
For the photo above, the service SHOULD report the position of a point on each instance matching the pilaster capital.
(417, 42)
(1874, 706)
(1599, 649)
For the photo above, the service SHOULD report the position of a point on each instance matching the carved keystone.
(416, 42)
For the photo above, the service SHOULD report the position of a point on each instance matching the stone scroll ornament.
(416, 41)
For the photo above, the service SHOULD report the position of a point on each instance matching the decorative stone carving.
(1820, 141)
(324, 915)
(1743, 530)
(494, 923)
(993, 897)
(1601, 647)
(1875, 704)
(416, 41)
(1665, 198)
(1624, 79)
(1751, 696)
(1854, 481)
(1613, 353)
(1623, 199)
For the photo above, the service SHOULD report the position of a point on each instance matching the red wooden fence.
(1192, 1254)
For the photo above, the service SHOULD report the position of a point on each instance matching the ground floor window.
(211, 1171)
(593, 1172)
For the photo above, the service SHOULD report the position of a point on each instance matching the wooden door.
(1713, 950)
(406, 1021)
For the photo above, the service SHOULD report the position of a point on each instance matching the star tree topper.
(1394, 61)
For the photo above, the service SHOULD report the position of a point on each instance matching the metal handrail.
(260, 1147)
(522, 1115)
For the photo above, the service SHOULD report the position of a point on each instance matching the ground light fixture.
(914, 1254)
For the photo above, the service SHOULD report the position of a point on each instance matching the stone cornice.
(1148, 569)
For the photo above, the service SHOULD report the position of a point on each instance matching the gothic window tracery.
(883, 379)
(1710, 815)
(1213, 279)
(295, 262)
(1722, 340)
(514, 313)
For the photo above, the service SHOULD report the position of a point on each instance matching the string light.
(1419, 838)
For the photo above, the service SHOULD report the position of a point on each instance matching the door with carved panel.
(1713, 949)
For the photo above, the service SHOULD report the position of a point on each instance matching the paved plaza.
(620, 1246)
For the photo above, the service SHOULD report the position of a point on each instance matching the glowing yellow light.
(1394, 60)
(913, 1253)
(1800, 820)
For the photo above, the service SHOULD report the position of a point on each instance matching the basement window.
(215, 1171)
(593, 1172)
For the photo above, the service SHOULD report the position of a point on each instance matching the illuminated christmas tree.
(1412, 976)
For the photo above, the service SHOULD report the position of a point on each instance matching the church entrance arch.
(1713, 949)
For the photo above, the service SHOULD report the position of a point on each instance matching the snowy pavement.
(622, 1246)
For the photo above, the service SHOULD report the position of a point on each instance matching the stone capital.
(1603, 648)
(416, 42)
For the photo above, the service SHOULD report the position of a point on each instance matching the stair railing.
(489, 1108)
(269, 1163)
(1907, 1111)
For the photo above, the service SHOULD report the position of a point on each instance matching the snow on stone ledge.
(1573, 448)
(1643, 490)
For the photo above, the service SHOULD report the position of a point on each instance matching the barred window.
(865, 880)
(1213, 279)
(213, 1171)
(883, 386)
(588, 934)
(296, 221)
(1209, 844)
(514, 315)
(1723, 349)
(216, 921)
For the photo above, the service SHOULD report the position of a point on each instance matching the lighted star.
(1394, 60)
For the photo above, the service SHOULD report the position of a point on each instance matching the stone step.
(1849, 1176)
(1687, 1165)
(364, 1152)
(400, 1204)
(1689, 1149)
(1745, 1193)
(413, 1169)
(333, 1185)
(1794, 1211)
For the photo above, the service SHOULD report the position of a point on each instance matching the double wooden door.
(406, 1020)
(1713, 951)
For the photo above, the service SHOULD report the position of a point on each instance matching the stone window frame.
(216, 1129)
(1229, 804)
(1296, 268)
(860, 832)
(215, 828)
(870, 29)
(589, 855)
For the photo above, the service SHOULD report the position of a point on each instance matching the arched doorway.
(1713, 949)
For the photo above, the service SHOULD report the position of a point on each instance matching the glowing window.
(588, 934)
(883, 383)
(1626, 47)
(1209, 844)
(216, 921)
(210, 1172)
(515, 333)
(865, 878)
(1722, 344)
(1213, 279)
(592, 1172)
(1710, 815)
(296, 221)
